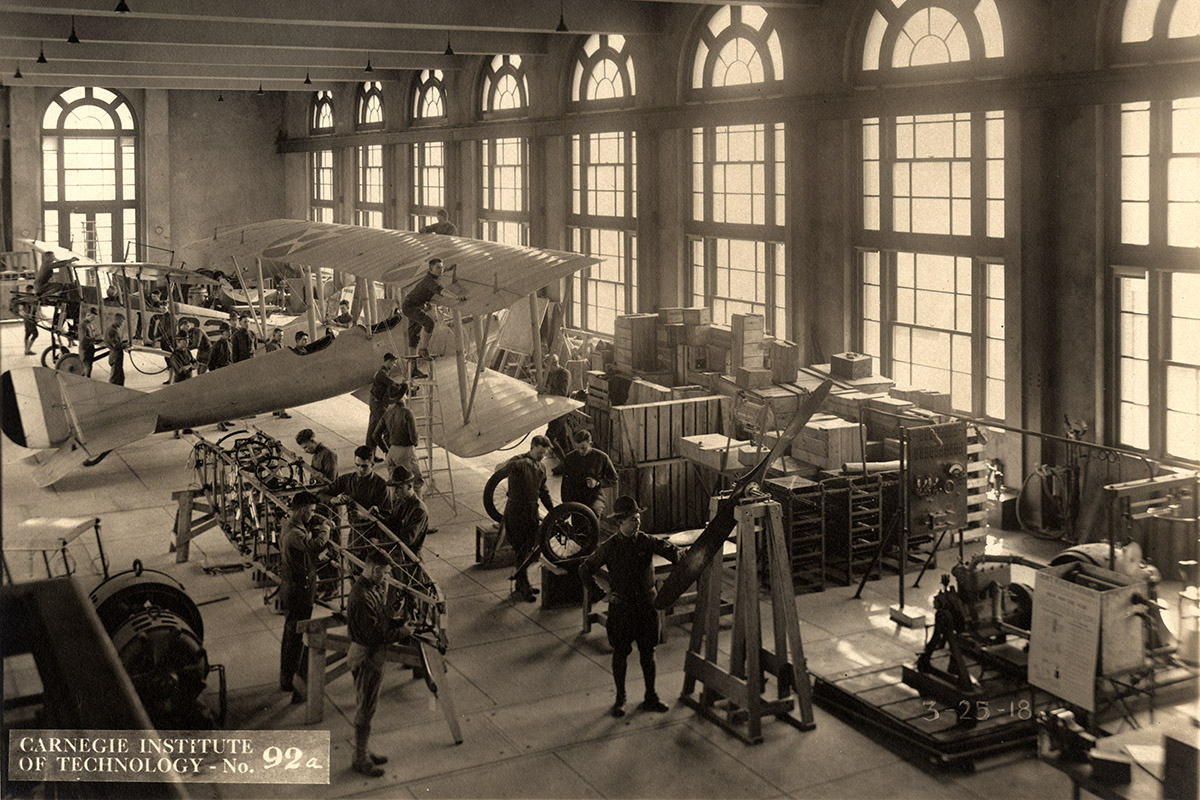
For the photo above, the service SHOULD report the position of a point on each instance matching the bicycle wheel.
(495, 497)
(275, 473)
(568, 533)
(248, 452)
(52, 354)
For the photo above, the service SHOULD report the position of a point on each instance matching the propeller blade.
(709, 543)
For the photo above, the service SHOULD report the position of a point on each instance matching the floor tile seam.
(969, 794)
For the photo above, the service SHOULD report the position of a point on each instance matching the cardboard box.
(850, 365)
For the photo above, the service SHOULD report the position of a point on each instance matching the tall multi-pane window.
(504, 163)
(368, 159)
(603, 213)
(428, 159)
(90, 174)
(1155, 242)
(931, 309)
(320, 162)
(736, 225)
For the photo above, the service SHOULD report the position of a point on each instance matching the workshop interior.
(841, 355)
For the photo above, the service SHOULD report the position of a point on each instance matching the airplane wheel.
(52, 354)
(275, 473)
(69, 362)
(248, 452)
(493, 500)
(568, 533)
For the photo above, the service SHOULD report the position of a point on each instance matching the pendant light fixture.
(449, 51)
(122, 7)
(307, 80)
(562, 20)
(73, 38)
(260, 91)
(18, 74)
(220, 97)
(369, 67)
(41, 59)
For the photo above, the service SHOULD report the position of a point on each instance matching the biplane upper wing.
(493, 275)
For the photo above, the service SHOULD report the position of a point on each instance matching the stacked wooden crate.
(828, 442)
(636, 342)
(747, 332)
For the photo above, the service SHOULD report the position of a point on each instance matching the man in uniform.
(180, 362)
(221, 355)
(586, 471)
(361, 486)
(243, 339)
(324, 460)
(443, 225)
(89, 334)
(114, 338)
(526, 486)
(371, 626)
(382, 388)
(629, 554)
(396, 433)
(343, 317)
(416, 309)
(297, 587)
(404, 513)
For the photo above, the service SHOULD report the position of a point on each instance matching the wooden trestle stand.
(741, 685)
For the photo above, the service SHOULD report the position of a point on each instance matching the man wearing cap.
(221, 355)
(586, 471)
(361, 486)
(443, 225)
(629, 556)
(369, 620)
(526, 486)
(396, 432)
(416, 306)
(382, 389)
(89, 335)
(324, 460)
(297, 586)
(403, 512)
(114, 337)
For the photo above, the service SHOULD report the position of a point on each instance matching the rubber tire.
(489, 492)
(70, 363)
(558, 516)
(52, 354)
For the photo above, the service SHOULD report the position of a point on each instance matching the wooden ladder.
(739, 687)
(426, 407)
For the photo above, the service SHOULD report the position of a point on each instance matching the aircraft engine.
(159, 636)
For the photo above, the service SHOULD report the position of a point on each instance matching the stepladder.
(433, 460)
(733, 693)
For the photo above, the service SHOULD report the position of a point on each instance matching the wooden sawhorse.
(327, 662)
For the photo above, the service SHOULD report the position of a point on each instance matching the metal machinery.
(159, 635)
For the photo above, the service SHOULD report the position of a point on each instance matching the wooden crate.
(636, 340)
(714, 451)
(643, 391)
(651, 431)
(672, 492)
(753, 377)
(746, 349)
(697, 315)
(671, 316)
(784, 359)
(720, 336)
(829, 443)
(849, 366)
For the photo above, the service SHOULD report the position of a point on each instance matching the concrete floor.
(531, 691)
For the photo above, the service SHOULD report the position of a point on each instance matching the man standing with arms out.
(361, 486)
(114, 338)
(629, 554)
(369, 620)
(396, 432)
(586, 471)
(443, 225)
(416, 309)
(297, 587)
(526, 486)
(404, 513)
(89, 334)
(243, 340)
(324, 460)
(382, 388)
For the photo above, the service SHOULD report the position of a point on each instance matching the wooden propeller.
(709, 543)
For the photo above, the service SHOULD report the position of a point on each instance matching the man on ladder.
(416, 310)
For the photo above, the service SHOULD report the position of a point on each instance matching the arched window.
(736, 228)
(930, 237)
(504, 205)
(428, 158)
(904, 34)
(1154, 240)
(738, 46)
(370, 106)
(429, 96)
(602, 220)
(320, 117)
(90, 173)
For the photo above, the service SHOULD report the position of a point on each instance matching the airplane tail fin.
(79, 417)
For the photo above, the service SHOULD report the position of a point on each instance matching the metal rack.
(803, 505)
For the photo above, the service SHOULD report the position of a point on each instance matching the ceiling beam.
(626, 17)
(101, 72)
(107, 55)
(96, 30)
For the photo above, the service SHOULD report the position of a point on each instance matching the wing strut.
(460, 357)
(480, 354)
(311, 304)
(262, 323)
(535, 341)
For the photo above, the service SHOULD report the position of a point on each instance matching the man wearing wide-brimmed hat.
(629, 556)
(404, 513)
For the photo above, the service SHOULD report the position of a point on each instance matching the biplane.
(79, 420)
(69, 284)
